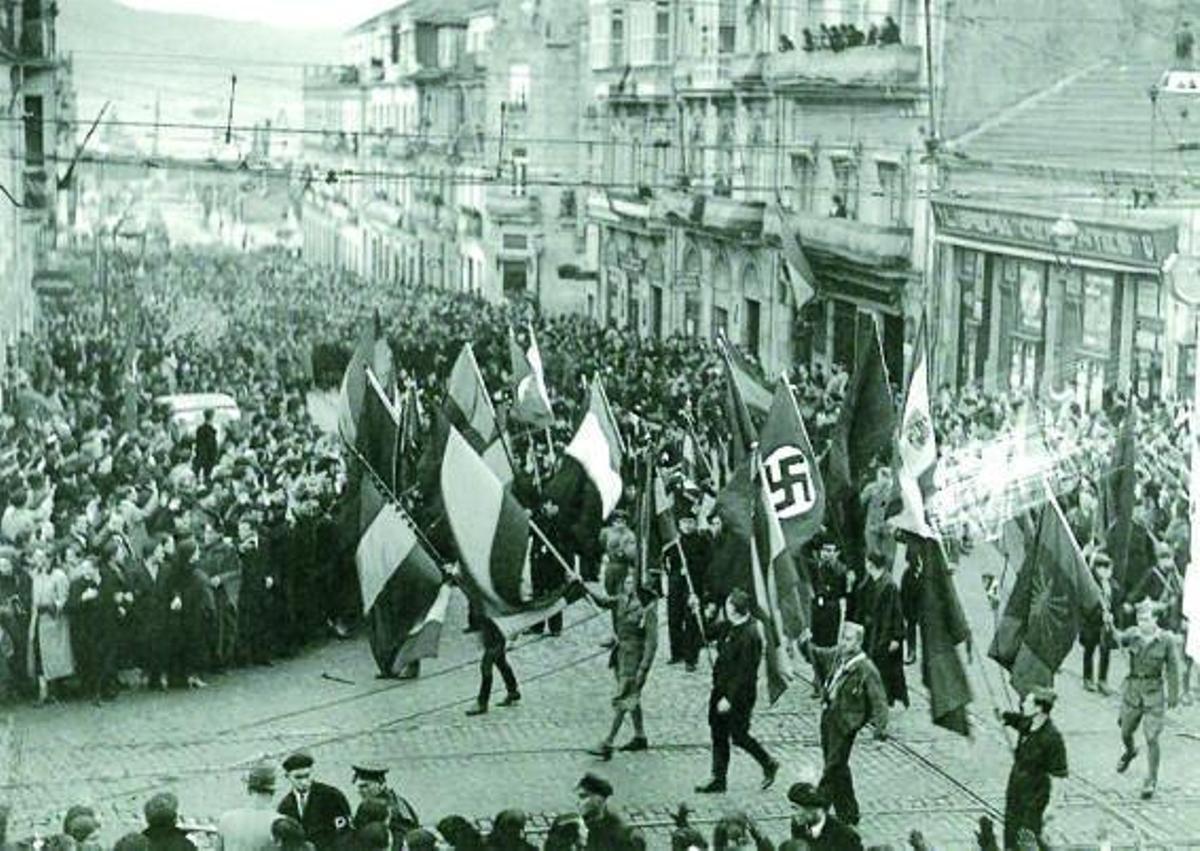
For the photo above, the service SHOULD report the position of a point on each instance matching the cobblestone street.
(530, 756)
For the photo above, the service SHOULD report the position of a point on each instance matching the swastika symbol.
(790, 482)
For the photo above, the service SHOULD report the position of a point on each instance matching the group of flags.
(778, 494)
(783, 493)
(404, 590)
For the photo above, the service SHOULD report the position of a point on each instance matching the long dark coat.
(878, 606)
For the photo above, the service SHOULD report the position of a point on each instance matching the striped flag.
(598, 449)
(916, 446)
(402, 591)
(372, 351)
(403, 594)
(469, 409)
(531, 400)
(492, 533)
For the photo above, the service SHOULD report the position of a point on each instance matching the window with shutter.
(616, 38)
(662, 31)
(641, 45)
(598, 35)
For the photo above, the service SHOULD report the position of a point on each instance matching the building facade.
(712, 130)
(443, 155)
(1057, 257)
(38, 132)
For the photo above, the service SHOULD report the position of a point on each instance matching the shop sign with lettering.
(1142, 246)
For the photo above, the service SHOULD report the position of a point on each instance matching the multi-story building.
(1064, 228)
(712, 130)
(443, 153)
(38, 130)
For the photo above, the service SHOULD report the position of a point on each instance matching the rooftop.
(1099, 119)
(429, 12)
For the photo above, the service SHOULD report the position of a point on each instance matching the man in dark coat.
(322, 809)
(206, 452)
(812, 823)
(254, 598)
(1040, 754)
(878, 609)
(546, 573)
(910, 602)
(853, 696)
(162, 830)
(606, 830)
(94, 606)
(371, 782)
(831, 582)
(734, 692)
(683, 624)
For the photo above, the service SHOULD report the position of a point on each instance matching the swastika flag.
(789, 468)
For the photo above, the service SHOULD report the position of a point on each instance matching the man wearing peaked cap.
(1151, 688)
(606, 830)
(1040, 754)
(813, 823)
(371, 782)
(322, 809)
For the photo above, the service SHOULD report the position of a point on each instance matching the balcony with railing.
(703, 72)
(503, 204)
(875, 245)
(894, 67)
(330, 76)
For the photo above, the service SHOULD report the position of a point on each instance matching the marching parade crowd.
(133, 553)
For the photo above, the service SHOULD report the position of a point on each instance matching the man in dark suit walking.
(734, 692)
(812, 823)
(205, 457)
(853, 696)
(321, 809)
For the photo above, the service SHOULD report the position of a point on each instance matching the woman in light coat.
(50, 656)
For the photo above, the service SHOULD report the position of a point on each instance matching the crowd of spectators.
(383, 821)
(839, 37)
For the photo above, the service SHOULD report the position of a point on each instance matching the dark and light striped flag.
(599, 450)
(531, 400)
(469, 409)
(492, 533)
(372, 351)
(403, 593)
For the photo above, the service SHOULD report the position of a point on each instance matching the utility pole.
(157, 117)
(931, 302)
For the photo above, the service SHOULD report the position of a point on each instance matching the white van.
(186, 411)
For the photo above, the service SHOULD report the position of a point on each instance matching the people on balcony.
(839, 37)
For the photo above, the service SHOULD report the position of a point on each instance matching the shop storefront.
(1051, 305)
(634, 282)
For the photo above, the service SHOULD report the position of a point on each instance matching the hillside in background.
(134, 57)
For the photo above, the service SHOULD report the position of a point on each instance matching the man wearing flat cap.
(1040, 754)
(1151, 688)
(371, 782)
(814, 825)
(606, 830)
(322, 809)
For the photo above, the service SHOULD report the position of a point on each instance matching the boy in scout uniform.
(1151, 687)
